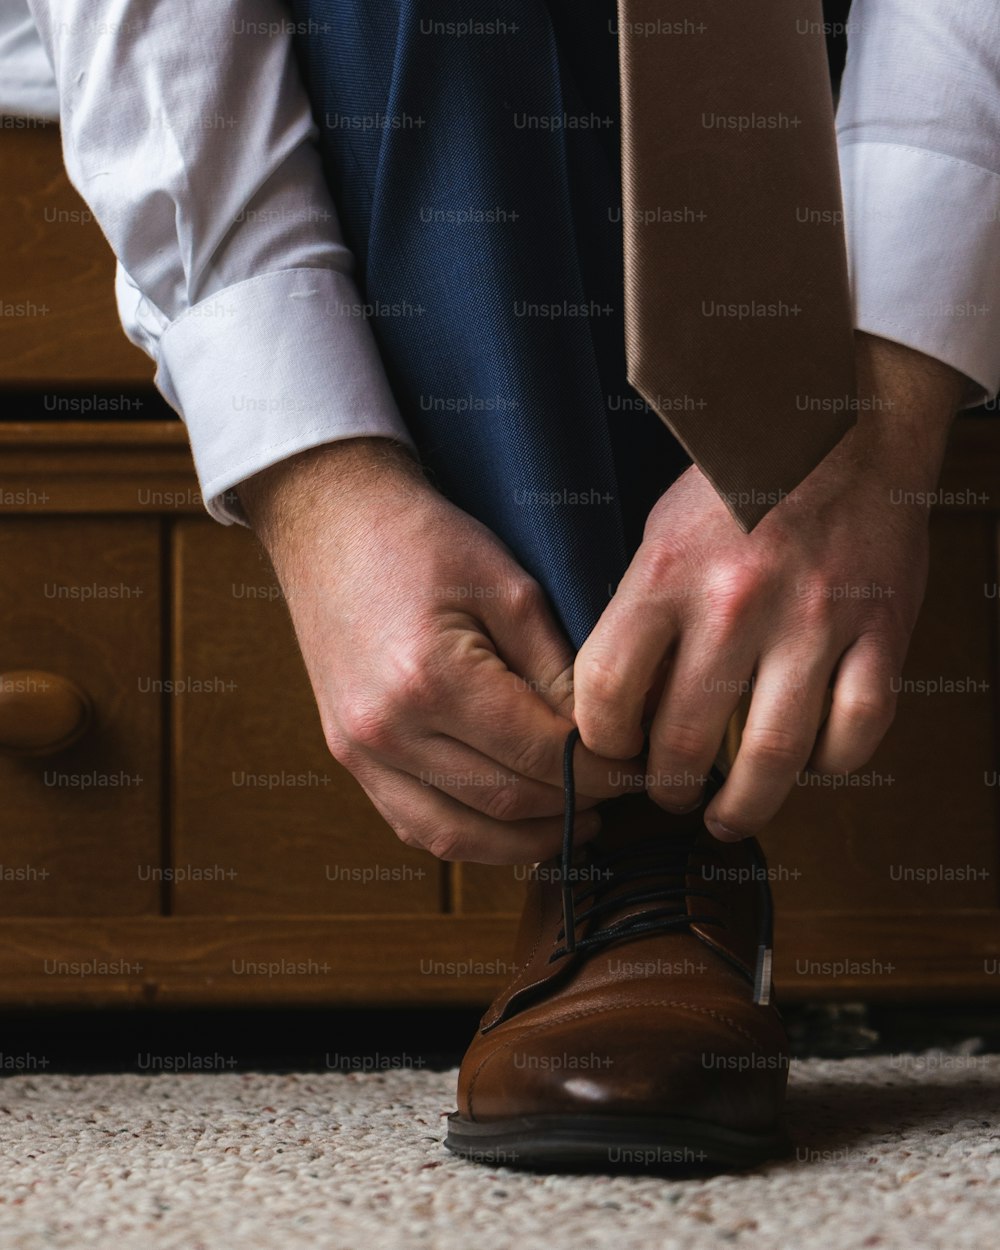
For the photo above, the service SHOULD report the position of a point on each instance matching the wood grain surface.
(59, 325)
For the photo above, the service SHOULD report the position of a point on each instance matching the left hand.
(823, 593)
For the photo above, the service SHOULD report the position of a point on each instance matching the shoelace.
(655, 857)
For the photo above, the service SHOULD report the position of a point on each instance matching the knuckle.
(815, 604)
(501, 802)
(731, 590)
(338, 743)
(524, 598)
(369, 719)
(683, 744)
(662, 555)
(599, 700)
(412, 683)
(370, 727)
(775, 749)
(597, 681)
(534, 758)
(446, 843)
(411, 837)
(871, 711)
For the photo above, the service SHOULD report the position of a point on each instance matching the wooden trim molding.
(443, 960)
(142, 468)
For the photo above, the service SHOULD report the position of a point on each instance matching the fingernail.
(718, 830)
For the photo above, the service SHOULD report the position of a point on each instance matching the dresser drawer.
(81, 829)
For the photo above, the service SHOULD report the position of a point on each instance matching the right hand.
(443, 682)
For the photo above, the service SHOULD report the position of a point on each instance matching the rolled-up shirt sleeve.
(187, 130)
(919, 134)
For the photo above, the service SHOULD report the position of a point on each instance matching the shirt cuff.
(269, 367)
(923, 237)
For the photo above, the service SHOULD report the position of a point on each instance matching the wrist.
(907, 403)
(328, 488)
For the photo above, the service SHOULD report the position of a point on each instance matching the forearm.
(326, 493)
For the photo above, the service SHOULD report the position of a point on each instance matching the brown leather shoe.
(639, 1032)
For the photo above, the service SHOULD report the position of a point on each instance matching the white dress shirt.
(187, 130)
(919, 132)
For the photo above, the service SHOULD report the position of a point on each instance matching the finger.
(703, 690)
(619, 664)
(447, 829)
(450, 766)
(531, 644)
(863, 708)
(785, 712)
(492, 713)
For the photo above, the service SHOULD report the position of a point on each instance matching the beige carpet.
(892, 1152)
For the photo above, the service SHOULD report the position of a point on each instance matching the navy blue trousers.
(473, 152)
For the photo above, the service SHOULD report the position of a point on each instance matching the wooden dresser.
(196, 843)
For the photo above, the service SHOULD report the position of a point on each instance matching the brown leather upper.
(660, 1024)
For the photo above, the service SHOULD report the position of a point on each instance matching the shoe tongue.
(629, 822)
(661, 843)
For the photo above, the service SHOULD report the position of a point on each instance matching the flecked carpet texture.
(896, 1151)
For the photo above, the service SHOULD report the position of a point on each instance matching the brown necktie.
(738, 325)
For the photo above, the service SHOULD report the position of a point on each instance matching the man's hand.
(442, 680)
(824, 592)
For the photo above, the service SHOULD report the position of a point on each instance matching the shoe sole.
(617, 1143)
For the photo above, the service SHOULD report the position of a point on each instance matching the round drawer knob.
(40, 713)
